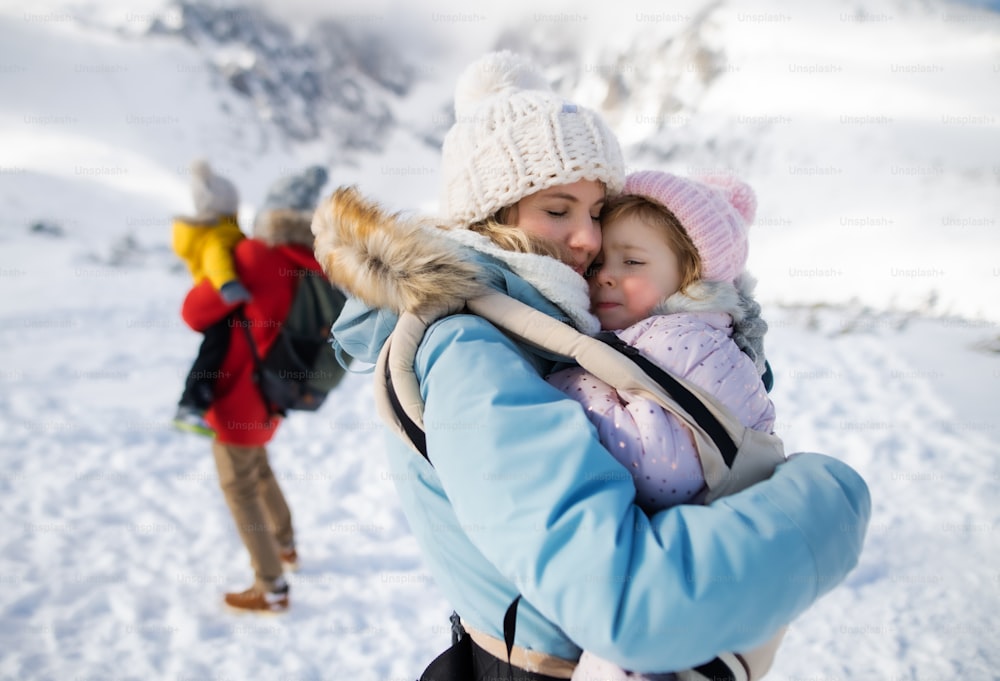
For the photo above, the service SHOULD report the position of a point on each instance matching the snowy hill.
(332, 81)
(870, 134)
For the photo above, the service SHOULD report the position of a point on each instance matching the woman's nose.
(586, 237)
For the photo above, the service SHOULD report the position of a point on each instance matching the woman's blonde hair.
(655, 215)
(498, 229)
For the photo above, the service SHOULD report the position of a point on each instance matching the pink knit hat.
(716, 212)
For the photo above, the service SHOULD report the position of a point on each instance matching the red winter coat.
(270, 273)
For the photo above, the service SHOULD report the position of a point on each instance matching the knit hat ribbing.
(715, 212)
(513, 137)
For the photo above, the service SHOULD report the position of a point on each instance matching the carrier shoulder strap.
(684, 397)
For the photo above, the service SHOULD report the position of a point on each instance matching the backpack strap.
(241, 320)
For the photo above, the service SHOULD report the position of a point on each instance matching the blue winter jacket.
(522, 498)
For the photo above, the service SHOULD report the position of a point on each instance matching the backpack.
(301, 366)
(733, 457)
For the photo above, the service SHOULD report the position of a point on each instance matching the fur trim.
(391, 262)
(749, 332)
(284, 226)
(746, 284)
(734, 299)
(705, 296)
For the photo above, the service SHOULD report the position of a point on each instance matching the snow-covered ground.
(117, 543)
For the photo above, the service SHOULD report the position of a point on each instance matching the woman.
(518, 495)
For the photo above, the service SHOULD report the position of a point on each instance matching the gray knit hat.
(213, 194)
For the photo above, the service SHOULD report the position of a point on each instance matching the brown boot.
(259, 601)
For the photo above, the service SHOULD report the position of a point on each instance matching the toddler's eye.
(592, 271)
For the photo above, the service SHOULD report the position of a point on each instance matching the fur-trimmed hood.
(388, 261)
(283, 226)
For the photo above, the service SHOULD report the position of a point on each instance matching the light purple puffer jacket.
(652, 444)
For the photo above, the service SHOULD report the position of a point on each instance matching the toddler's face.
(634, 272)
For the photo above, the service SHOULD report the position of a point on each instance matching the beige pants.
(258, 507)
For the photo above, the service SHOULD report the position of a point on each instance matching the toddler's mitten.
(234, 292)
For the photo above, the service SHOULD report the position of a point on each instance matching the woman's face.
(566, 215)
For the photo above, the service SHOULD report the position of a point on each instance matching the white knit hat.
(213, 194)
(514, 137)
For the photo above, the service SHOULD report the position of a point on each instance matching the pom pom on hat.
(514, 137)
(496, 73)
(739, 194)
(716, 213)
(213, 194)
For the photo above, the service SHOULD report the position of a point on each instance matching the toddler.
(668, 281)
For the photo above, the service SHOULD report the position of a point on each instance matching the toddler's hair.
(630, 205)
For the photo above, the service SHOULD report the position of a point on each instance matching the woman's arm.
(520, 460)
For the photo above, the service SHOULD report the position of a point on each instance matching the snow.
(874, 153)
(118, 544)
